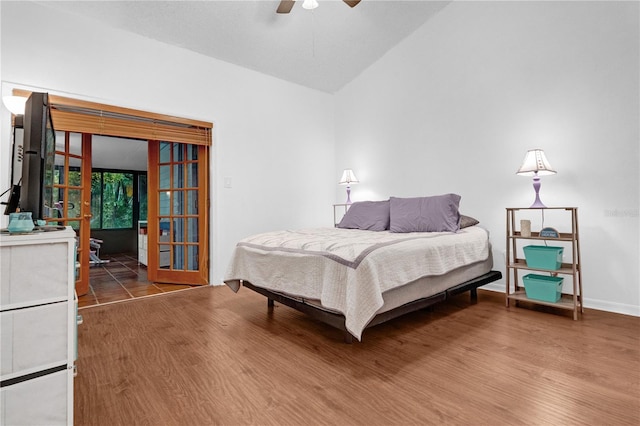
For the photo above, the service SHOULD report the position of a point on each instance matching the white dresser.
(38, 327)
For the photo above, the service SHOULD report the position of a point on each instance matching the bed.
(356, 278)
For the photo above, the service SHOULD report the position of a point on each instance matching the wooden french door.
(70, 194)
(178, 210)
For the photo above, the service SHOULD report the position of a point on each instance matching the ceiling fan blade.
(352, 3)
(285, 6)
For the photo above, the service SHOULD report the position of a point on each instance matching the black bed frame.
(337, 320)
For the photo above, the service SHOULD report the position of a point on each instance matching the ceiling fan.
(286, 5)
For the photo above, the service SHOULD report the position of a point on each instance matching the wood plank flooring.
(210, 356)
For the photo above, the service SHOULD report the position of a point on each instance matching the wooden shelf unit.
(514, 264)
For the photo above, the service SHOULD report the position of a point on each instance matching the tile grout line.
(93, 293)
(138, 275)
(118, 281)
(123, 260)
(152, 283)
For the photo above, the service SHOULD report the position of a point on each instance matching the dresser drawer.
(40, 401)
(34, 338)
(29, 273)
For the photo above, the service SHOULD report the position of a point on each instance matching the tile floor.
(123, 278)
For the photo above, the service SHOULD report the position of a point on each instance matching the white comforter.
(348, 269)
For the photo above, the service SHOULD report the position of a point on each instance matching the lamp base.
(536, 186)
(538, 204)
(348, 195)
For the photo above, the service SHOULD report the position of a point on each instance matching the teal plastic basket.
(543, 257)
(542, 287)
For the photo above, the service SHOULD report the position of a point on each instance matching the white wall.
(279, 156)
(457, 104)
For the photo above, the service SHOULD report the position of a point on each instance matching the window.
(112, 200)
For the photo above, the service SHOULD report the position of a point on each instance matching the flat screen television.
(36, 188)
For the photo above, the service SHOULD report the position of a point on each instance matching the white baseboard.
(618, 308)
(601, 305)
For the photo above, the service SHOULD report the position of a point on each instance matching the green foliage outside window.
(142, 197)
(112, 200)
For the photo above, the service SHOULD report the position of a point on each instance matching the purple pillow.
(369, 215)
(425, 214)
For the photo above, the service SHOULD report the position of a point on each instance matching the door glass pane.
(192, 230)
(75, 177)
(164, 258)
(165, 203)
(165, 177)
(74, 204)
(192, 202)
(192, 258)
(165, 152)
(178, 176)
(58, 203)
(96, 200)
(178, 202)
(75, 144)
(178, 230)
(165, 227)
(192, 175)
(58, 172)
(178, 150)
(75, 162)
(178, 257)
(192, 152)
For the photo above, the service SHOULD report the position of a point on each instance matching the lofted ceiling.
(323, 49)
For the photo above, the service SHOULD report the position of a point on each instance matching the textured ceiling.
(322, 49)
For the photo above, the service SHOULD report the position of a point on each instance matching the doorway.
(101, 189)
(189, 205)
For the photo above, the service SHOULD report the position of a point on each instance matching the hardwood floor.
(210, 356)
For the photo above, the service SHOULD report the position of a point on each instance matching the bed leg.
(474, 295)
(270, 303)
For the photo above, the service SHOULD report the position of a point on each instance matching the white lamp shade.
(535, 162)
(310, 4)
(15, 104)
(348, 177)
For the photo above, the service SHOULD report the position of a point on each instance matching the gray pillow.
(425, 214)
(368, 215)
(467, 221)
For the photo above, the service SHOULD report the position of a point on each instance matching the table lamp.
(536, 164)
(348, 177)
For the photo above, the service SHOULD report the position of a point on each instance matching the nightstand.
(339, 210)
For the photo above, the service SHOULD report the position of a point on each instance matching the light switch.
(227, 181)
